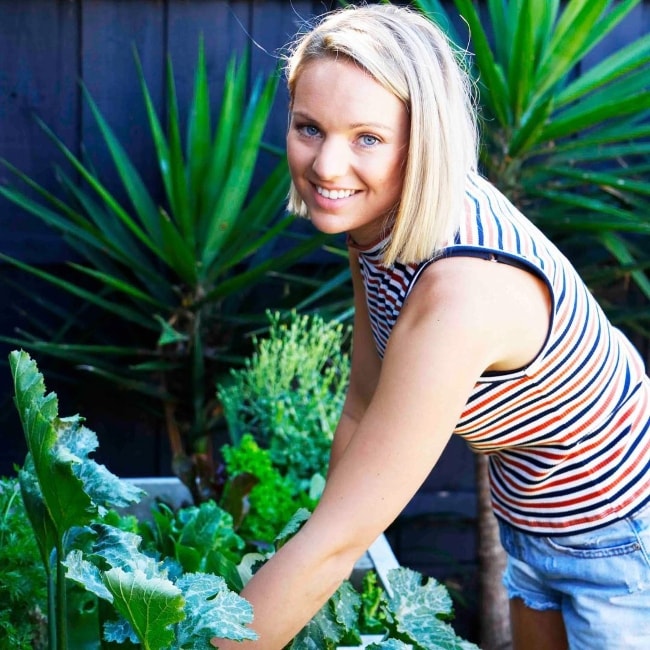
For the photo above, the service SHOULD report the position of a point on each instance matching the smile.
(335, 194)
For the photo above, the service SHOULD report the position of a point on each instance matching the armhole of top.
(491, 255)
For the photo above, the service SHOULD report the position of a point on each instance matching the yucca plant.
(163, 284)
(568, 143)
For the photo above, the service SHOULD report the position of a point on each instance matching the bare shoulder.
(499, 309)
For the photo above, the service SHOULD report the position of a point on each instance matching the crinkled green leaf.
(293, 526)
(412, 596)
(346, 603)
(391, 644)
(151, 605)
(211, 611)
(104, 488)
(336, 620)
(120, 548)
(417, 609)
(86, 574)
(119, 632)
(206, 526)
(73, 487)
(321, 632)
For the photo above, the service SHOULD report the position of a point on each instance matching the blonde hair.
(412, 58)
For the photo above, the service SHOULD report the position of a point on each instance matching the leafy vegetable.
(273, 499)
(66, 493)
(417, 612)
(156, 601)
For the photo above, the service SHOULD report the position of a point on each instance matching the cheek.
(391, 176)
(397, 174)
(295, 156)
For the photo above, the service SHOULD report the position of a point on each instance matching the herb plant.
(272, 500)
(23, 585)
(290, 393)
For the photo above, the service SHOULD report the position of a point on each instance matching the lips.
(334, 194)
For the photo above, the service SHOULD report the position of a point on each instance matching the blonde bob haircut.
(412, 58)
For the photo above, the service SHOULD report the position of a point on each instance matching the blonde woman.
(468, 321)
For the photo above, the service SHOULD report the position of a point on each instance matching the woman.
(467, 321)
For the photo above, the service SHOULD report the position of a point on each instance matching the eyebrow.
(354, 125)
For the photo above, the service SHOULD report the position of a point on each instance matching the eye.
(308, 130)
(369, 140)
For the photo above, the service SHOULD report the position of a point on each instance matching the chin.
(327, 225)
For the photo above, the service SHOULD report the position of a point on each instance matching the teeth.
(334, 194)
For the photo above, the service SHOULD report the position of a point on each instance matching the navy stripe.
(582, 350)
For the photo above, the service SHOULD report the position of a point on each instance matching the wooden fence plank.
(111, 31)
(46, 44)
(223, 26)
(38, 75)
(274, 25)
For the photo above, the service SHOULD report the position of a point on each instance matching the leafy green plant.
(139, 568)
(290, 393)
(66, 494)
(273, 497)
(166, 287)
(410, 613)
(193, 539)
(23, 592)
(569, 143)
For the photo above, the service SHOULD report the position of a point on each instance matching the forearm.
(290, 589)
(344, 430)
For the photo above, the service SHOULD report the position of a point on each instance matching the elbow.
(335, 558)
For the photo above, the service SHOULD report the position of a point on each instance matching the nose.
(332, 159)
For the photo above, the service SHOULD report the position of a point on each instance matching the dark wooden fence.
(48, 46)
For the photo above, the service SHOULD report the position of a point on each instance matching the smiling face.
(347, 145)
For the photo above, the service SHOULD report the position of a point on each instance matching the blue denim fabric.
(600, 581)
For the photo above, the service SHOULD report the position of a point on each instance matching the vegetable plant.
(23, 595)
(410, 611)
(140, 568)
(66, 494)
(273, 496)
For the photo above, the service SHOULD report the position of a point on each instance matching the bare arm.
(364, 371)
(464, 317)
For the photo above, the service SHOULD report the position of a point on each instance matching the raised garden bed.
(172, 491)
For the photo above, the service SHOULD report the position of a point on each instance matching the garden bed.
(172, 491)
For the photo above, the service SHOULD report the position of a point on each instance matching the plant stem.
(51, 611)
(61, 597)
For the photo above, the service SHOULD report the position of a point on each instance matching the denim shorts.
(600, 581)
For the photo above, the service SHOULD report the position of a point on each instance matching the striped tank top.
(568, 437)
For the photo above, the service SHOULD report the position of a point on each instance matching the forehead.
(341, 85)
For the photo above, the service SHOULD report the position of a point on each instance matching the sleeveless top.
(568, 436)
